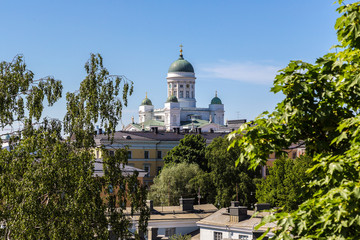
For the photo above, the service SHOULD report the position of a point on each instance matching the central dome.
(181, 65)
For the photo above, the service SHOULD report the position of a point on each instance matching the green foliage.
(285, 186)
(17, 83)
(180, 237)
(174, 182)
(191, 149)
(229, 183)
(321, 108)
(47, 184)
(97, 100)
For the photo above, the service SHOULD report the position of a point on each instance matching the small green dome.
(181, 65)
(172, 99)
(216, 100)
(146, 101)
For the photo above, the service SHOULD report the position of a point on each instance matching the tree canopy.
(191, 149)
(285, 186)
(174, 182)
(47, 185)
(229, 183)
(320, 108)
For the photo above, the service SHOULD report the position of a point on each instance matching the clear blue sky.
(235, 46)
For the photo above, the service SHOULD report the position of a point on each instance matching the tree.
(229, 183)
(285, 186)
(180, 237)
(174, 182)
(320, 108)
(191, 149)
(47, 184)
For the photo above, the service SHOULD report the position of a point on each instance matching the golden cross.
(181, 46)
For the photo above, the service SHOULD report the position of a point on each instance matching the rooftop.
(222, 219)
(152, 136)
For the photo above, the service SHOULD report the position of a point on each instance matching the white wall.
(208, 233)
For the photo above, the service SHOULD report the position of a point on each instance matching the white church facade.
(180, 111)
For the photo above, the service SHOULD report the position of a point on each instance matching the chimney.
(187, 204)
(237, 214)
(150, 205)
(262, 206)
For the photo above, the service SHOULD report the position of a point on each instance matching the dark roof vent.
(187, 204)
(262, 206)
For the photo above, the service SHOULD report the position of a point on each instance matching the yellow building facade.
(146, 149)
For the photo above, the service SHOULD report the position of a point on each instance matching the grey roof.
(126, 170)
(174, 213)
(152, 136)
(221, 219)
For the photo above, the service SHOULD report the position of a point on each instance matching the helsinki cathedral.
(180, 112)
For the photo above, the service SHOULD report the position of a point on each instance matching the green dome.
(172, 99)
(146, 101)
(181, 65)
(216, 100)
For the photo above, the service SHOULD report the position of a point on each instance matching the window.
(174, 93)
(294, 154)
(158, 170)
(147, 169)
(146, 154)
(181, 94)
(187, 94)
(131, 164)
(217, 236)
(111, 153)
(159, 154)
(187, 85)
(169, 232)
(181, 85)
(129, 154)
(192, 94)
(243, 237)
(97, 153)
(170, 85)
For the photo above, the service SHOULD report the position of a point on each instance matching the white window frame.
(218, 236)
(148, 166)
